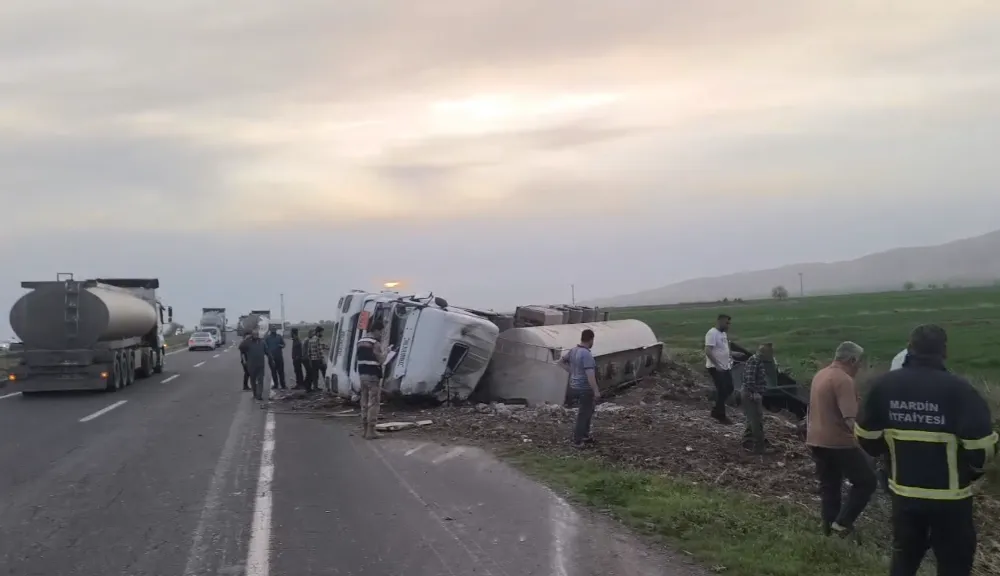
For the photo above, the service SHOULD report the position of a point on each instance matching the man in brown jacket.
(833, 407)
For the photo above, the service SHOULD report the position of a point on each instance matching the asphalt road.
(184, 474)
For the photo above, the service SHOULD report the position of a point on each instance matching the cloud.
(503, 128)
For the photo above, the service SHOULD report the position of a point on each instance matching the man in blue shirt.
(582, 367)
(275, 344)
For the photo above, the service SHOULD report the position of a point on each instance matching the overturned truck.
(448, 353)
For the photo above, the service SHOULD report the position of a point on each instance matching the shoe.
(844, 532)
(246, 388)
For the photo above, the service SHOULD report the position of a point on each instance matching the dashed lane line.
(11, 395)
(199, 364)
(165, 380)
(103, 411)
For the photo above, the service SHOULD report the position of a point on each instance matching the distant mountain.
(968, 262)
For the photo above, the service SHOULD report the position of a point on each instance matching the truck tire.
(158, 359)
(130, 368)
(115, 373)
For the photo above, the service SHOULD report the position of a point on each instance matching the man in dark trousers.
(316, 350)
(297, 361)
(938, 432)
(275, 345)
(833, 409)
(243, 363)
(719, 362)
(582, 367)
(255, 352)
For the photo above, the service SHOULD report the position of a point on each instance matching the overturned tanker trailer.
(88, 335)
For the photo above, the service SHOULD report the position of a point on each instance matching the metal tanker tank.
(255, 323)
(105, 313)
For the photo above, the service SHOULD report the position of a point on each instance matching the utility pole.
(572, 293)
(802, 290)
(283, 319)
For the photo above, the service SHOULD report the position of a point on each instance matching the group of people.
(309, 362)
(930, 427)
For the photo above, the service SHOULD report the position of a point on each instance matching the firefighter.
(370, 359)
(938, 433)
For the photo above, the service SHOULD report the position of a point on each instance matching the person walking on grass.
(938, 432)
(833, 407)
(752, 398)
(582, 367)
(370, 360)
(719, 362)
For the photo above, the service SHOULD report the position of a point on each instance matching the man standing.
(833, 407)
(582, 385)
(719, 362)
(243, 363)
(255, 351)
(275, 345)
(317, 357)
(297, 362)
(370, 359)
(752, 398)
(938, 432)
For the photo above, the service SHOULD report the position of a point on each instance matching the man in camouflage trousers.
(370, 359)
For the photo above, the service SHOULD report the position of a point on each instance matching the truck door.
(368, 312)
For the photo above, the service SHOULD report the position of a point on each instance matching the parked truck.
(97, 334)
(214, 318)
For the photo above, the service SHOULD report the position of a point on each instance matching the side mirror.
(170, 313)
(441, 302)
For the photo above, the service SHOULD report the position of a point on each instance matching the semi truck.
(98, 334)
(239, 325)
(214, 318)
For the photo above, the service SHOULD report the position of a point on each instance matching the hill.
(966, 262)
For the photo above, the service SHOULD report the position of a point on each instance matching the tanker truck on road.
(97, 334)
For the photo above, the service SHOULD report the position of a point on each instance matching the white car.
(214, 332)
(202, 341)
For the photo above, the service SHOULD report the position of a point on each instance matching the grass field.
(742, 535)
(805, 331)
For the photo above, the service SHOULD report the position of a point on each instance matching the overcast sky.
(493, 151)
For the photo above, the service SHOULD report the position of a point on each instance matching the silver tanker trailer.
(89, 335)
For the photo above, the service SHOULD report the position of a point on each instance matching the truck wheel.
(157, 360)
(115, 374)
(130, 369)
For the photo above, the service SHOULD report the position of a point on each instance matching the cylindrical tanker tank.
(105, 313)
(255, 323)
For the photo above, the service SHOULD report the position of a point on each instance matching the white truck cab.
(433, 350)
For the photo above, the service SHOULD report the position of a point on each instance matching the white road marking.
(413, 451)
(199, 363)
(562, 520)
(12, 394)
(165, 380)
(216, 356)
(103, 411)
(259, 551)
(206, 530)
(448, 455)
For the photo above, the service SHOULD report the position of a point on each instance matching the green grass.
(805, 331)
(726, 531)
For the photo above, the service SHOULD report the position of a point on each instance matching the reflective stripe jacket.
(935, 426)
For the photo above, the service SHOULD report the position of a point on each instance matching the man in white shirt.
(898, 361)
(719, 362)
